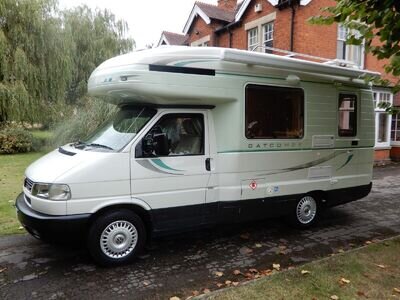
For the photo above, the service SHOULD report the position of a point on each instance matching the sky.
(146, 18)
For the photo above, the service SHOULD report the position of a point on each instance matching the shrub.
(15, 140)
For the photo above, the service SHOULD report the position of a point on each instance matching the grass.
(373, 273)
(12, 168)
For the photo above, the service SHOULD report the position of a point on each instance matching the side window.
(347, 115)
(184, 132)
(274, 112)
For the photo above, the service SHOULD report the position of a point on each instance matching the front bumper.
(42, 225)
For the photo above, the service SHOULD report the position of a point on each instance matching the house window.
(382, 119)
(205, 44)
(268, 36)
(382, 127)
(252, 39)
(353, 53)
(274, 112)
(202, 42)
(347, 115)
(395, 129)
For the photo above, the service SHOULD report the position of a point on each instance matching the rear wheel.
(116, 237)
(306, 212)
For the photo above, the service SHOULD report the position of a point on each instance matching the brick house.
(259, 25)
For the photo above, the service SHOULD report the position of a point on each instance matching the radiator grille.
(28, 184)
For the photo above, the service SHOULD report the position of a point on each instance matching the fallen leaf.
(235, 283)
(341, 251)
(245, 250)
(381, 266)
(266, 272)
(195, 293)
(258, 245)
(334, 297)
(344, 280)
(2, 270)
(248, 275)
(228, 282)
(20, 228)
(361, 294)
(276, 266)
(218, 274)
(146, 283)
(396, 290)
(368, 242)
(174, 298)
(257, 276)
(305, 272)
(206, 291)
(236, 272)
(219, 284)
(253, 270)
(245, 236)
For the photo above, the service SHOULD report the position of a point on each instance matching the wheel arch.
(319, 196)
(144, 214)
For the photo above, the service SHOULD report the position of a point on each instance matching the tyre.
(116, 237)
(306, 212)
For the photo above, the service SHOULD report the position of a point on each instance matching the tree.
(371, 18)
(32, 59)
(94, 37)
(47, 55)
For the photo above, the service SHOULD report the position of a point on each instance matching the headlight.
(51, 191)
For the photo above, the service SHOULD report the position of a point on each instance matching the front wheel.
(116, 237)
(306, 212)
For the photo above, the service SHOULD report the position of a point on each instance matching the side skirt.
(188, 218)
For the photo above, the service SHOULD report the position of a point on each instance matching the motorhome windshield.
(116, 133)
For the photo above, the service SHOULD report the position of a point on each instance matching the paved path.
(180, 265)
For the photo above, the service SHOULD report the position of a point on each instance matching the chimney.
(227, 4)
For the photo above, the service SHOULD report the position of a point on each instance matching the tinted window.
(274, 112)
(347, 115)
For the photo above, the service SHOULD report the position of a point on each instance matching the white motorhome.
(204, 136)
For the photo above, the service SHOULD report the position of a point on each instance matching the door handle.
(208, 164)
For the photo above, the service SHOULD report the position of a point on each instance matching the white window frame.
(382, 96)
(342, 35)
(396, 129)
(203, 42)
(268, 34)
(258, 24)
(252, 39)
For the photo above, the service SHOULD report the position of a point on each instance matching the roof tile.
(214, 12)
(175, 39)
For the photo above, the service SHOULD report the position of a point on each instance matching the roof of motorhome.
(183, 55)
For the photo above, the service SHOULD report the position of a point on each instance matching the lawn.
(12, 168)
(371, 272)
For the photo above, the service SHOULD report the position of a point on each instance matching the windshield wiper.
(98, 146)
(79, 144)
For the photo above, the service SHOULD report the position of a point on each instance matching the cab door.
(173, 181)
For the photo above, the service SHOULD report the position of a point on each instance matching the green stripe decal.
(290, 149)
(162, 165)
(346, 162)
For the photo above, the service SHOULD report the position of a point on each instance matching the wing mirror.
(156, 143)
